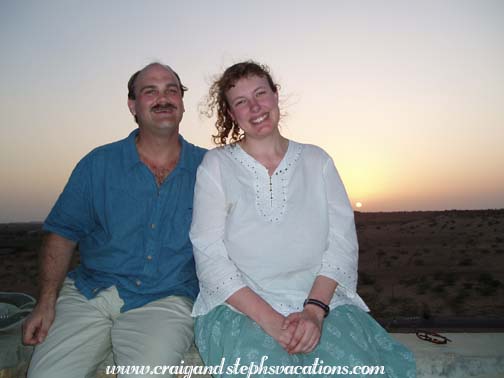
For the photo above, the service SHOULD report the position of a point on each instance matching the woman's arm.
(340, 259)
(338, 267)
(218, 275)
(309, 321)
(272, 322)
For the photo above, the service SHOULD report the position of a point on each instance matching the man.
(128, 206)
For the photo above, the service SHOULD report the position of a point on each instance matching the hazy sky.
(406, 96)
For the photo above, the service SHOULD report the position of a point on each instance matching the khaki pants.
(86, 331)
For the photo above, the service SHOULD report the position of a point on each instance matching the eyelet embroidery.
(270, 191)
(212, 292)
(287, 308)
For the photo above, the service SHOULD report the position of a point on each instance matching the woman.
(275, 245)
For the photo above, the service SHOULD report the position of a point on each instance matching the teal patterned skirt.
(351, 339)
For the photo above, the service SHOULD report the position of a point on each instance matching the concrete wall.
(475, 355)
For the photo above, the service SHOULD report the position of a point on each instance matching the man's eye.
(259, 93)
(150, 92)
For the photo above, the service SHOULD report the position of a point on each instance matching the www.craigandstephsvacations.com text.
(247, 370)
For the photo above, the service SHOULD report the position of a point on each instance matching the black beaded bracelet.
(318, 303)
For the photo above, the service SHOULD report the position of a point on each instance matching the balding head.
(133, 79)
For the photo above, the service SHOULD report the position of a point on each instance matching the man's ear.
(131, 106)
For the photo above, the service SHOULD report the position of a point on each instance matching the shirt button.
(95, 290)
(149, 257)
(138, 282)
(153, 226)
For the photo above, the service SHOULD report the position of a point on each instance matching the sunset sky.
(406, 96)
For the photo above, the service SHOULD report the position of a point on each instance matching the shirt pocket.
(176, 236)
(125, 213)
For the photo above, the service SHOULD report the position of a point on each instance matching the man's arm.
(55, 257)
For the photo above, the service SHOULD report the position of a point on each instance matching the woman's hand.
(308, 329)
(257, 309)
(275, 325)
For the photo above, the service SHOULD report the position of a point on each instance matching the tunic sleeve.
(218, 276)
(340, 259)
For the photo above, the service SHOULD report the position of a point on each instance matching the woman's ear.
(230, 113)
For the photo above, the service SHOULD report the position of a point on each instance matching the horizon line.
(355, 211)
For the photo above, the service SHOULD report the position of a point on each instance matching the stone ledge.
(474, 355)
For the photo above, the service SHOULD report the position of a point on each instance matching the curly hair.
(227, 130)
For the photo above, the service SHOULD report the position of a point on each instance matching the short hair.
(227, 130)
(132, 80)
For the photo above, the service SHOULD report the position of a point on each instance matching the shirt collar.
(184, 162)
(130, 153)
(131, 157)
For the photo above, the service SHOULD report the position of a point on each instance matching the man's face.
(158, 104)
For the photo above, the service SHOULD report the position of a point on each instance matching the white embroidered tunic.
(273, 234)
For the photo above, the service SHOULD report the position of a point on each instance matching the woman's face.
(254, 106)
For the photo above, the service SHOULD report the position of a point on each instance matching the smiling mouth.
(260, 119)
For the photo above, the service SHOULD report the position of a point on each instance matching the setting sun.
(358, 205)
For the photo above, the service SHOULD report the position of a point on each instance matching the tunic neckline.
(253, 161)
(271, 192)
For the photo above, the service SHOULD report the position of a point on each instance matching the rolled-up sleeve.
(218, 276)
(340, 259)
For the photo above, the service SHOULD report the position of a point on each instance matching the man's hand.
(55, 257)
(37, 324)
(307, 331)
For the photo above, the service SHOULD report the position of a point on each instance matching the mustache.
(167, 106)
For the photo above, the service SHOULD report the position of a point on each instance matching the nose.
(254, 105)
(162, 98)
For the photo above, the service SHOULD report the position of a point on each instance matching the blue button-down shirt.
(131, 233)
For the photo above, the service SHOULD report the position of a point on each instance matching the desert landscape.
(413, 265)
(426, 265)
